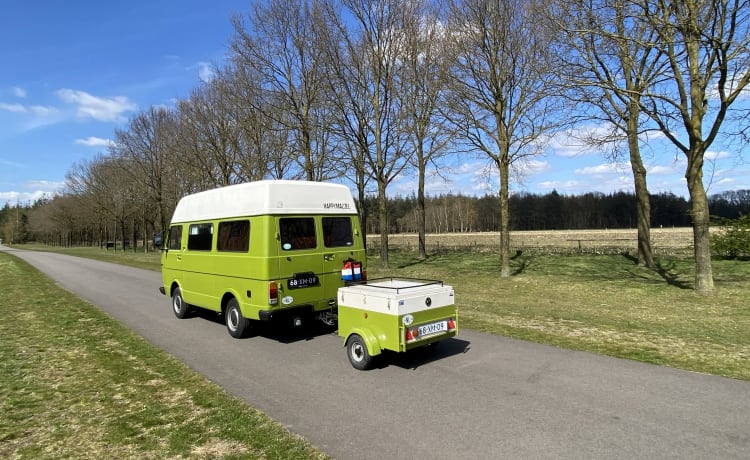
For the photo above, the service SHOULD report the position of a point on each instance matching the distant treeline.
(444, 214)
(551, 211)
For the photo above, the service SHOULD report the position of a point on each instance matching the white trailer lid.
(397, 296)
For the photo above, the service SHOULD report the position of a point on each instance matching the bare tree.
(365, 50)
(209, 137)
(610, 59)
(502, 90)
(104, 182)
(263, 143)
(148, 148)
(707, 45)
(422, 84)
(281, 44)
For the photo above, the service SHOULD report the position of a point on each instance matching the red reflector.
(451, 324)
(409, 335)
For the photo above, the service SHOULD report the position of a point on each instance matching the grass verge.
(76, 384)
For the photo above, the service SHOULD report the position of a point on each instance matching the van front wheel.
(180, 308)
(237, 325)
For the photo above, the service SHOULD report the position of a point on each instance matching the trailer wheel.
(180, 308)
(356, 349)
(237, 325)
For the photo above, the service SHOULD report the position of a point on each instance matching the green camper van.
(261, 251)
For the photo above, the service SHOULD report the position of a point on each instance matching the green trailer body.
(395, 314)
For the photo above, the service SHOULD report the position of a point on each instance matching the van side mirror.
(158, 240)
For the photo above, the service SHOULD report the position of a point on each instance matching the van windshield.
(297, 233)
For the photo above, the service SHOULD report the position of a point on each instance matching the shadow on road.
(418, 357)
(280, 331)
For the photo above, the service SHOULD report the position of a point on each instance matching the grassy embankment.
(76, 384)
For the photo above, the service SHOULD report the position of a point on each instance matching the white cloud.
(573, 143)
(661, 170)
(36, 189)
(38, 110)
(94, 142)
(609, 168)
(559, 185)
(11, 164)
(531, 167)
(43, 111)
(16, 108)
(98, 108)
(46, 185)
(711, 155)
(205, 71)
(18, 92)
(727, 181)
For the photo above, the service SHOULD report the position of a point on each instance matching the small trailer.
(396, 314)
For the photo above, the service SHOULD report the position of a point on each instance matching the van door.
(300, 262)
(171, 258)
(342, 242)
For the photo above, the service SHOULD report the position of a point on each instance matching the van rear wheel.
(237, 325)
(180, 308)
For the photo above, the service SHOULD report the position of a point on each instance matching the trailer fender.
(372, 342)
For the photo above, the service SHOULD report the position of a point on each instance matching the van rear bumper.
(286, 313)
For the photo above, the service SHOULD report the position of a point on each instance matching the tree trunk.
(422, 224)
(504, 166)
(383, 224)
(643, 202)
(362, 212)
(699, 212)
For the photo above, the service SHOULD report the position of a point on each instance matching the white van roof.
(265, 197)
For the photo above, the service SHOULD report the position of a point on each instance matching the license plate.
(433, 328)
(302, 281)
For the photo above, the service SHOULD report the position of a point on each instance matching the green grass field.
(76, 384)
(130, 400)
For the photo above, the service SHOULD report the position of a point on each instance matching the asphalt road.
(476, 396)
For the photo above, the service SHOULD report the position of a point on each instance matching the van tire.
(237, 325)
(356, 350)
(180, 308)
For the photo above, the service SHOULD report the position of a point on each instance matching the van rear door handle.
(329, 257)
(179, 257)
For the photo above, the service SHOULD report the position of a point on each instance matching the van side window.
(297, 233)
(199, 237)
(337, 232)
(175, 237)
(234, 236)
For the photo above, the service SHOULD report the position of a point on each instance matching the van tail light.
(273, 293)
(451, 324)
(409, 334)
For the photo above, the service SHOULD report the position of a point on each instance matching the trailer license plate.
(433, 328)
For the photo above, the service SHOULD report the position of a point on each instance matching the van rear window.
(200, 236)
(297, 233)
(337, 232)
(233, 236)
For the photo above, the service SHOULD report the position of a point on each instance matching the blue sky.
(75, 71)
